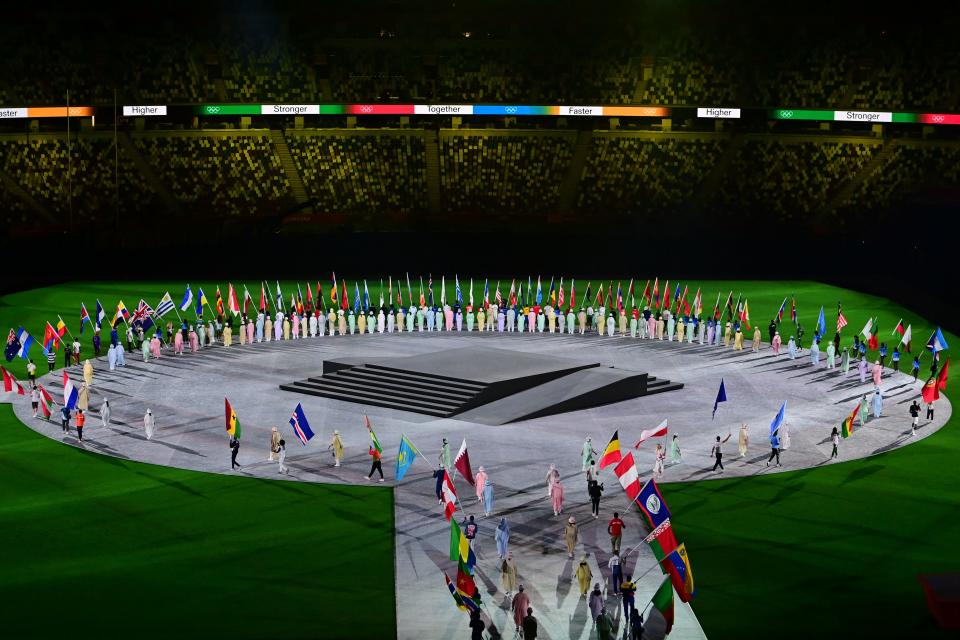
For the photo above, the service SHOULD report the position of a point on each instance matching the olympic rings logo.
(213, 109)
(510, 109)
(366, 108)
(785, 114)
(938, 118)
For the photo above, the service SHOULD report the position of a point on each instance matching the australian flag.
(300, 425)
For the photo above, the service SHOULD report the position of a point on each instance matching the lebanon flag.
(462, 463)
(611, 454)
(449, 496)
(659, 431)
(627, 474)
(10, 383)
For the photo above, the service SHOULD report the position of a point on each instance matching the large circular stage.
(579, 386)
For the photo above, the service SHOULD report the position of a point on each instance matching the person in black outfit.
(929, 411)
(476, 625)
(914, 417)
(234, 450)
(836, 342)
(595, 489)
(438, 476)
(772, 329)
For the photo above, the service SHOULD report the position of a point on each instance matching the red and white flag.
(657, 432)
(627, 474)
(46, 401)
(10, 383)
(841, 320)
(462, 463)
(449, 494)
(232, 303)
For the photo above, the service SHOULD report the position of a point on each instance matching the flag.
(659, 431)
(101, 314)
(184, 304)
(201, 300)
(907, 337)
(165, 305)
(611, 454)
(247, 299)
(663, 602)
(232, 421)
(356, 297)
(874, 342)
(721, 397)
(793, 310)
(405, 457)
(13, 346)
(486, 293)
(573, 293)
(778, 419)
(343, 297)
(449, 494)
(232, 302)
(651, 503)
(646, 293)
(846, 428)
(46, 402)
(373, 436)
(899, 328)
(553, 293)
(821, 324)
(70, 394)
(512, 296)
(496, 295)
(84, 317)
(841, 320)
(121, 313)
(143, 315)
(462, 463)
(456, 281)
(10, 383)
(865, 332)
(319, 304)
(333, 289)
(931, 390)
(300, 425)
(366, 296)
(453, 592)
(627, 474)
(219, 302)
(560, 295)
(466, 587)
(310, 295)
(421, 301)
(26, 341)
(678, 565)
(937, 343)
(661, 540)
(783, 306)
(430, 288)
(279, 303)
(697, 304)
(619, 298)
(50, 338)
(539, 291)
(443, 290)
(460, 550)
(656, 291)
(942, 377)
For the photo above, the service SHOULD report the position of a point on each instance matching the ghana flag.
(663, 602)
(233, 423)
(846, 429)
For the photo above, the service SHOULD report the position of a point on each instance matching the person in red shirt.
(81, 419)
(375, 466)
(615, 529)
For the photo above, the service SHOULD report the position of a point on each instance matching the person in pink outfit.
(481, 480)
(155, 347)
(877, 373)
(519, 606)
(775, 343)
(556, 497)
(194, 341)
(296, 326)
(651, 326)
(250, 332)
(178, 343)
(448, 317)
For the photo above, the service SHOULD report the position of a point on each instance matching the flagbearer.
(375, 464)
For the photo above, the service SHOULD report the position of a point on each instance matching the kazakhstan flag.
(405, 457)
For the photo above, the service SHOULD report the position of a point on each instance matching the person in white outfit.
(149, 424)
(283, 456)
(105, 413)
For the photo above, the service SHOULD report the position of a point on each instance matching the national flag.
(937, 342)
(651, 503)
(462, 463)
(449, 494)
(165, 305)
(50, 339)
(656, 291)
(899, 329)
(343, 297)
(232, 421)
(745, 314)
(373, 436)
(697, 304)
(443, 290)
(26, 341)
(683, 297)
(453, 592)
(279, 303)
(219, 302)
(300, 425)
(659, 431)
(10, 383)
(721, 397)
(841, 319)
(247, 300)
(873, 342)
(778, 419)
(232, 304)
(70, 394)
(46, 402)
(783, 306)
(466, 587)
(143, 315)
(512, 296)
(201, 301)
(611, 454)
(646, 293)
(662, 540)
(633, 302)
(381, 292)
(456, 286)
(410, 290)
(678, 565)
(907, 337)
(184, 304)
(663, 602)
(676, 294)
(460, 550)
(366, 296)
(846, 428)
(310, 295)
(560, 295)
(793, 310)
(627, 474)
(121, 313)
(942, 377)
(931, 390)
(319, 303)
(262, 307)
(84, 317)
(334, 290)
(553, 293)
(573, 293)
(619, 298)
(496, 295)
(665, 300)
(821, 324)
(728, 305)
(405, 457)
(356, 297)
(486, 293)
(716, 307)
(430, 288)
(599, 300)
(865, 332)
(539, 291)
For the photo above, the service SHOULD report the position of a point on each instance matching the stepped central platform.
(490, 386)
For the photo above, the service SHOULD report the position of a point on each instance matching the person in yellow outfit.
(336, 446)
(738, 340)
(584, 576)
(227, 336)
(88, 372)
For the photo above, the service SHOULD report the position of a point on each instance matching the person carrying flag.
(375, 464)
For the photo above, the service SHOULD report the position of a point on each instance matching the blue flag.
(651, 503)
(456, 280)
(366, 296)
(26, 341)
(405, 457)
(300, 425)
(721, 397)
(821, 324)
(937, 343)
(100, 314)
(184, 304)
(356, 297)
(200, 300)
(778, 421)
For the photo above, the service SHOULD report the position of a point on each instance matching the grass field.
(107, 544)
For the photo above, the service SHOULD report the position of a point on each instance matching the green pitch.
(98, 544)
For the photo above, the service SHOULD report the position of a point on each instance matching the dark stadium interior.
(858, 204)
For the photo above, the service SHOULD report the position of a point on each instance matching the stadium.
(492, 272)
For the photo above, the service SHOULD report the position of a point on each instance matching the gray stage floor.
(186, 395)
